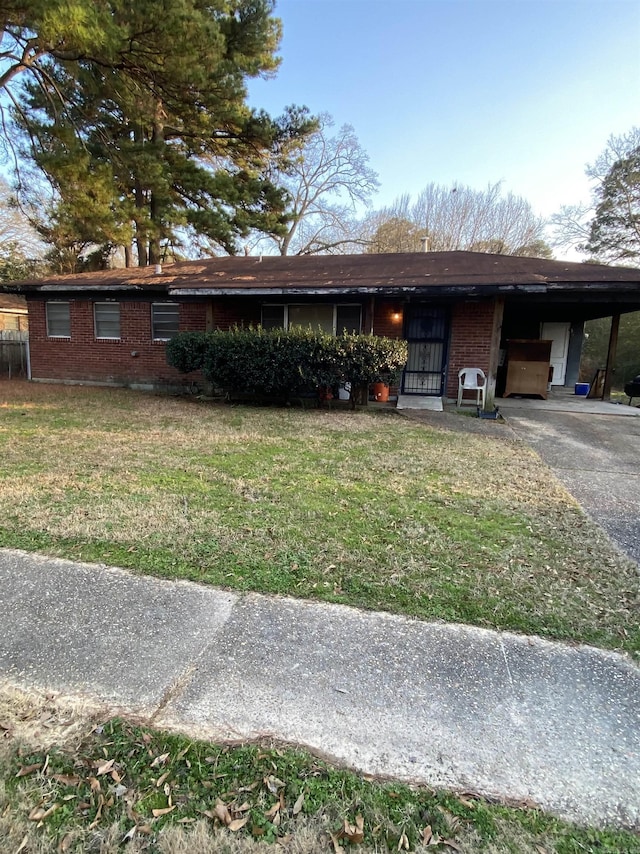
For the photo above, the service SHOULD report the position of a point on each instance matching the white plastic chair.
(472, 379)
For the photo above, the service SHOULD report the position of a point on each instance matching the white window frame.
(51, 334)
(95, 321)
(334, 305)
(154, 305)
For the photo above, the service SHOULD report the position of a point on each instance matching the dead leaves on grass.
(230, 816)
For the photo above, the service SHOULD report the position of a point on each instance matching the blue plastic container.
(582, 389)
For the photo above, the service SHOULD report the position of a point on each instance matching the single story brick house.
(455, 309)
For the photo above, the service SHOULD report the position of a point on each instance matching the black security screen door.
(427, 332)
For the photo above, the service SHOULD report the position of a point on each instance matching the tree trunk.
(155, 210)
(140, 203)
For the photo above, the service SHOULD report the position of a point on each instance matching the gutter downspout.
(28, 352)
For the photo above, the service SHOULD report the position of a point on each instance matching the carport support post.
(611, 357)
(494, 355)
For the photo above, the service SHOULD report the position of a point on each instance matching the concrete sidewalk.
(494, 713)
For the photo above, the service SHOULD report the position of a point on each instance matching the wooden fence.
(13, 354)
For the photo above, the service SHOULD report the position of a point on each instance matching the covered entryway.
(427, 333)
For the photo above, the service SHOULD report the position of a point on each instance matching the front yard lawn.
(363, 508)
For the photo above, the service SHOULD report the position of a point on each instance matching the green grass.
(363, 508)
(105, 781)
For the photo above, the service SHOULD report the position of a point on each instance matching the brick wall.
(388, 317)
(83, 357)
(471, 333)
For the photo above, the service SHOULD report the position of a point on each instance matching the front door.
(558, 333)
(427, 332)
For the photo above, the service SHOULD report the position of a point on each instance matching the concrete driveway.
(597, 457)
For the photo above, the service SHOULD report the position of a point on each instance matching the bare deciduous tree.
(459, 217)
(326, 177)
(20, 245)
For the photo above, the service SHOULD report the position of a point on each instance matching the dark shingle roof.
(462, 271)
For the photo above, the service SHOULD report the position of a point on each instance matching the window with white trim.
(106, 317)
(165, 320)
(333, 318)
(58, 319)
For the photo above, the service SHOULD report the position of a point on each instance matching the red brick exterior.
(388, 317)
(83, 357)
(470, 343)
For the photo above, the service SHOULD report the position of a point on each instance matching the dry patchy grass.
(362, 508)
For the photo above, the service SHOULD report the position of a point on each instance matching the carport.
(557, 311)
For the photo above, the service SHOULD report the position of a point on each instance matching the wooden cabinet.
(527, 367)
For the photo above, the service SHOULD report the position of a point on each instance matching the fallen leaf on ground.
(39, 814)
(354, 832)
(274, 810)
(221, 812)
(28, 769)
(297, 807)
(273, 784)
(98, 814)
(237, 823)
(66, 779)
(163, 811)
(160, 760)
(403, 842)
(106, 767)
(451, 844)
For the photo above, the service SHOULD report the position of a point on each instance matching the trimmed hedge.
(286, 363)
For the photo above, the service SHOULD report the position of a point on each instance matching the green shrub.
(285, 363)
(186, 351)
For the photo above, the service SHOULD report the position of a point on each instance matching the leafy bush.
(285, 363)
(186, 351)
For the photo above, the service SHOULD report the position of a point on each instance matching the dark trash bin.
(632, 389)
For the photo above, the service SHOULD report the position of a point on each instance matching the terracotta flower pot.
(381, 392)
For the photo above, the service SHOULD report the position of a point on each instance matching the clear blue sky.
(474, 91)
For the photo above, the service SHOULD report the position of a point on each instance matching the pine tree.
(146, 136)
(615, 229)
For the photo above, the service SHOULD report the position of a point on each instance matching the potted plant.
(385, 378)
